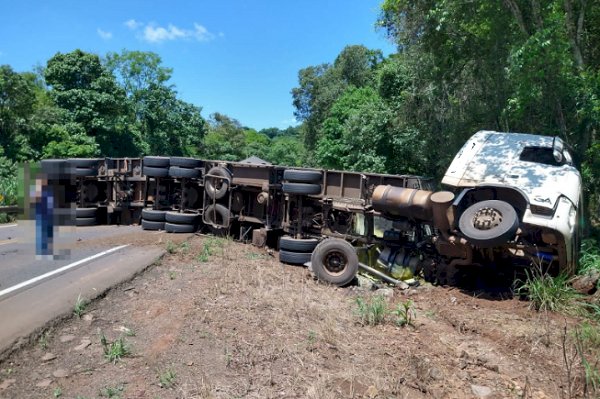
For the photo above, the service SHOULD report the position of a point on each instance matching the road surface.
(34, 291)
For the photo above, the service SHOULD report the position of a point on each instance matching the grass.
(167, 378)
(171, 247)
(8, 191)
(80, 307)
(114, 351)
(57, 392)
(589, 258)
(371, 311)
(211, 246)
(547, 293)
(405, 313)
(112, 392)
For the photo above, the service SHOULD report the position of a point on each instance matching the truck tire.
(301, 188)
(85, 221)
(181, 218)
(217, 188)
(335, 261)
(489, 223)
(217, 214)
(182, 162)
(152, 225)
(83, 162)
(180, 228)
(176, 171)
(85, 212)
(153, 215)
(85, 172)
(157, 162)
(298, 245)
(294, 258)
(155, 171)
(302, 176)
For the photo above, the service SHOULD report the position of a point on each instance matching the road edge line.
(58, 271)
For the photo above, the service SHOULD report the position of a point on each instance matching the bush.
(589, 258)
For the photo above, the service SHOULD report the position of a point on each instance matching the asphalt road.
(34, 291)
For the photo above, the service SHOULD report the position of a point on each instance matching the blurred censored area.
(47, 193)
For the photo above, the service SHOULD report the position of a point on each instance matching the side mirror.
(557, 149)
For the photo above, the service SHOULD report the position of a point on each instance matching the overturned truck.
(509, 199)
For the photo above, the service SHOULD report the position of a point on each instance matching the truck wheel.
(335, 261)
(180, 228)
(217, 214)
(181, 218)
(156, 162)
(302, 176)
(152, 225)
(215, 187)
(293, 258)
(301, 188)
(176, 171)
(85, 221)
(489, 223)
(155, 171)
(153, 215)
(85, 212)
(186, 162)
(298, 245)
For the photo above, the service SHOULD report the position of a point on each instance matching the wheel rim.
(335, 263)
(487, 219)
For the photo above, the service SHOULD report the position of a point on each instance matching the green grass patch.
(116, 350)
(167, 378)
(80, 306)
(546, 292)
(371, 311)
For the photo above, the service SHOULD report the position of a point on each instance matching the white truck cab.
(520, 195)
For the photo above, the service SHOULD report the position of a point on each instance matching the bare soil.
(235, 323)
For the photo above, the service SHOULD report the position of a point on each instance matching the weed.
(110, 392)
(371, 312)
(590, 256)
(184, 247)
(114, 351)
(57, 392)
(312, 337)
(546, 292)
(254, 256)
(405, 313)
(167, 379)
(172, 275)
(171, 247)
(43, 340)
(587, 344)
(80, 306)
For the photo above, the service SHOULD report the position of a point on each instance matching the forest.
(512, 65)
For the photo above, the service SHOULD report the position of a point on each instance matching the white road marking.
(60, 270)
(8, 225)
(8, 241)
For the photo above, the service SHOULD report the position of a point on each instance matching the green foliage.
(405, 313)
(371, 311)
(80, 306)
(8, 182)
(167, 378)
(112, 392)
(547, 293)
(114, 351)
(589, 258)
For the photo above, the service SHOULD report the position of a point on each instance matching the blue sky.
(240, 58)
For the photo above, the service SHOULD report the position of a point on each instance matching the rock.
(60, 373)
(366, 283)
(66, 338)
(436, 374)
(587, 283)
(401, 285)
(45, 383)
(6, 383)
(371, 392)
(88, 317)
(481, 391)
(48, 356)
(387, 292)
(84, 344)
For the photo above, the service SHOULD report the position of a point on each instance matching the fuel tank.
(403, 202)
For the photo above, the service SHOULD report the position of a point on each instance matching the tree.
(89, 94)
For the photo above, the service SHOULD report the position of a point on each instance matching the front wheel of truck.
(335, 261)
(489, 223)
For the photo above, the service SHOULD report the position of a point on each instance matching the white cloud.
(153, 33)
(133, 24)
(103, 34)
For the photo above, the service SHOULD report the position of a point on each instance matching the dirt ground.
(220, 319)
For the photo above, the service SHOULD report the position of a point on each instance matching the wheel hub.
(487, 218)
(335, 262)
